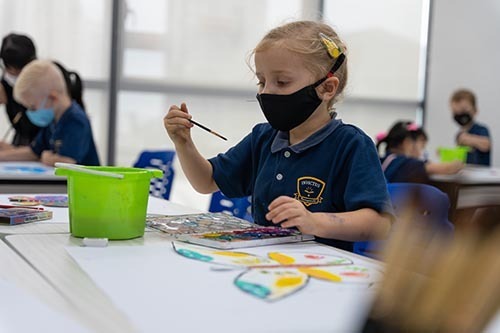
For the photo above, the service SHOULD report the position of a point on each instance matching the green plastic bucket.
(104, 207)
(458, 153)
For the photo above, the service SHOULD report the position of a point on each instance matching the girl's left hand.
(293, 213)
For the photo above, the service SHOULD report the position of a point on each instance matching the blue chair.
(430, 212)
(239, 207)
(162, 160)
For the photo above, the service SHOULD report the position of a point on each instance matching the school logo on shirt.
(309, 190)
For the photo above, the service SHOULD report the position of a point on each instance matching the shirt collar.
(281, 139)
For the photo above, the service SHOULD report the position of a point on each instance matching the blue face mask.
(41, 117)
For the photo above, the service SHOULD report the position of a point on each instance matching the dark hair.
(398, 133)
(17, 51)
(420, 133)
(74, 84)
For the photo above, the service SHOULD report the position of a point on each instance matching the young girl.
(404, 159)
(303, 169)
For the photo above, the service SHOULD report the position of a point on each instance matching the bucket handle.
(83, 169)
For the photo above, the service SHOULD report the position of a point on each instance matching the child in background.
(471, 134)
(400, 163)
(404, 160)
(303, 168)
(66, 135)
(15, 53)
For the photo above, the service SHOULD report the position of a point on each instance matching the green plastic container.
(104, 207)
(458, 153)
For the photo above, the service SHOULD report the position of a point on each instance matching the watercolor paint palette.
(196, 223)
(249, 237)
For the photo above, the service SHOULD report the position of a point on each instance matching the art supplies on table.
(249, 237)
(196, 223)
(45, 200)
(53, 200)
(22, 200)
(20, 215)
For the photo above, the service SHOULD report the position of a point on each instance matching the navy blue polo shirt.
(403, 169)
(476, 156)
(71, 136)
(336, 169)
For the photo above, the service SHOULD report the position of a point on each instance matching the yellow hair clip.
(333, 50)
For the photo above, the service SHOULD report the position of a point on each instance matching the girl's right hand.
(177, 124)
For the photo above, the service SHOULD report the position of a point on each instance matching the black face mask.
(463, 118)
(285, 112)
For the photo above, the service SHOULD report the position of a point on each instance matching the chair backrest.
(162, 160)
(429, 210)
(239, 207)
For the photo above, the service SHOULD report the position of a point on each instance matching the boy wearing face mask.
(15, 53)
(65, 135)
(471, 134)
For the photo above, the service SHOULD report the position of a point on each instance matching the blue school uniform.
(336, 169)
(71, 136)
(403, 169)
(476, 156)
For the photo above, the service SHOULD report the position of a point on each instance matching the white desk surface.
(476, 186)
(28, 171)
(32, 177)
(52, 275)
(14, 270)
(471, 175)
(48, 255)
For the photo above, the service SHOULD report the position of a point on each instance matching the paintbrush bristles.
(444, 286)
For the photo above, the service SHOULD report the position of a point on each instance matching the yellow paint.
(281, 258)
(212, 235)
(321, 274)
(289, 281)
(230, 254)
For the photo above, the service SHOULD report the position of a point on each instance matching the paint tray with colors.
(196, 223)
(249, 237)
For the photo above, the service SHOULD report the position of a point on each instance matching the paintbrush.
(207, 129)
(446, 286)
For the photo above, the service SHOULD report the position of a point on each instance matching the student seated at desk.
(404, 159)
(303, 168)
(66, 134)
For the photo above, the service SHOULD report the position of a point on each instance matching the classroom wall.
(464, 52)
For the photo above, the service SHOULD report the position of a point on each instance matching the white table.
(30, 177)
(24, 248)
(471, 188)
(161, 291)
(142, 289)
(15, 271)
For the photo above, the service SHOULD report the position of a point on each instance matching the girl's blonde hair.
(303, 38)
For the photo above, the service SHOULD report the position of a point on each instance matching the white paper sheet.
(160, 290)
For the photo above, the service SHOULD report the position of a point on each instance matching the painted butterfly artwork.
(281, 274)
